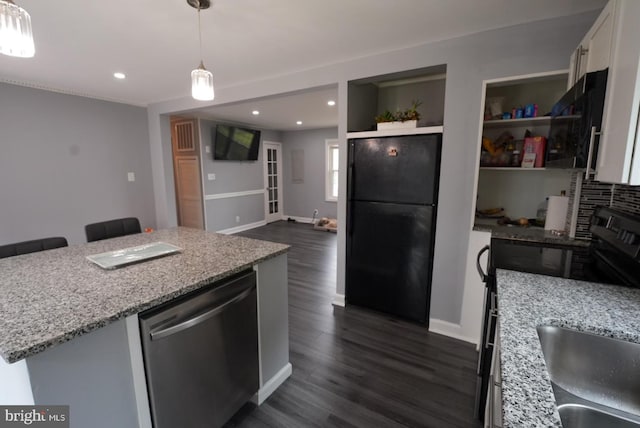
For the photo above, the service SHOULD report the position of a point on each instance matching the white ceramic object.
(398, 125)
(127, 256)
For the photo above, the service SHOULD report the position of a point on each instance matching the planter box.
(397, 125)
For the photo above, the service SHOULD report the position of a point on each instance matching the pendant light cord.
(200, 35)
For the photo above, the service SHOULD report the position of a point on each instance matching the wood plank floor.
(353, 367)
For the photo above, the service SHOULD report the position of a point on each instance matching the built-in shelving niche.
(372, 96)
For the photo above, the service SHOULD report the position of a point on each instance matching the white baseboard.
(272, 384)
(449, 329)
(298, 219)
(242, 228)
(338, 300)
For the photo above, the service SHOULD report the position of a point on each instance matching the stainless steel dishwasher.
(201, 354)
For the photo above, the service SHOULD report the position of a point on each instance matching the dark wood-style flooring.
(353, 367)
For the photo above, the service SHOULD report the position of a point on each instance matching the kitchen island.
(526, 301)
(69, 329)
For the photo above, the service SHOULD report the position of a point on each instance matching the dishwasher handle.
(191, 322)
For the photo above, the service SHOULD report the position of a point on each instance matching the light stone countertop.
(528, 300)
(50, 297)
(528, 234)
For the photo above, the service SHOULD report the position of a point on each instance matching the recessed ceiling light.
(331, 103)
(299, 122)
(119, 75)
(255, 112)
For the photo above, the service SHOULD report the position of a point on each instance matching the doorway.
(272, 158)
(185, 144)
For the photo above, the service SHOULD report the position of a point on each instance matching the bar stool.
(112, 228)
(32, 246)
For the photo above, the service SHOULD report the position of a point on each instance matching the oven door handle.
(483, 275)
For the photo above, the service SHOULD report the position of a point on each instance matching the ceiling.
(79, 45)
(282, 112)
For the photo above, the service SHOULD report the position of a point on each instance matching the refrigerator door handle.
(350, 170)
(483, 275)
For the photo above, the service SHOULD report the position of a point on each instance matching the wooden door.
(186, 167)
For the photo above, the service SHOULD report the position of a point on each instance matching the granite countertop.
(530, 234)
(528, 300)
(51, 297)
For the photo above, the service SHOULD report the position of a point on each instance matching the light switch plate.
(211, 177)
(131, 176)
(207, 149)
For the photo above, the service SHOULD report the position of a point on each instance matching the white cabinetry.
(519, 191)
(474, 288)
(594, 51)
(619, 150)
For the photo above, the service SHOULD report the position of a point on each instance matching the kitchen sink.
(594, 378)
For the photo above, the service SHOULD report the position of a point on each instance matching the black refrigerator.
(392, 185)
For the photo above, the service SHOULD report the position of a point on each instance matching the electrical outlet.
(207, 149)
(131, 176)
(211, 177)
(237, 219)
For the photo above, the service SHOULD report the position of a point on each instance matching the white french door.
(272, 158)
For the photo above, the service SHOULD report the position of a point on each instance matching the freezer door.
(389, 258)
(395, 169)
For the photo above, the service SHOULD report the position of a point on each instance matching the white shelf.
(517, 168)
(394, 132)
(509, 168)
(517, 123)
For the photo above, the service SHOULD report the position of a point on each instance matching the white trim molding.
(272, 384)
(329, 168)
(298, 219)
(338, 300)
(242, 228)
(234, 194)
(449, 329)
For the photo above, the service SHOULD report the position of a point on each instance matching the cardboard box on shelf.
(535, 145)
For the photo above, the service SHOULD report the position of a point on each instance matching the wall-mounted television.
(236, 144)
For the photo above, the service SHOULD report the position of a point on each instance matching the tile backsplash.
(626, 198)
(594, 193)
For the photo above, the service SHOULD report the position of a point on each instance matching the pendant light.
(201, 78)
(16, 37)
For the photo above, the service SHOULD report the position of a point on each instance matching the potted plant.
(400, 119)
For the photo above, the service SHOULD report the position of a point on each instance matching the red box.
(535, 145)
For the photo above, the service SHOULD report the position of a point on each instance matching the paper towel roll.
(557, 213)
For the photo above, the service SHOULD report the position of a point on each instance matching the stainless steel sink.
(595, 379)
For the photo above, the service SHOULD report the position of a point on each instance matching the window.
(332, 163)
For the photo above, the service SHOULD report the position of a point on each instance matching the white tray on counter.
(127, 256)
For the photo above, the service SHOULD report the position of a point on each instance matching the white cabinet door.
(618, 153)
(598, 40)
(593, 52)
(473, 299)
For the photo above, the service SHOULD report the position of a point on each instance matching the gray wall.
(232, 176)
(430, 93)
(529, 48)
(64, 164)
(300, 199)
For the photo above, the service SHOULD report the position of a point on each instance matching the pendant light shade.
(16, 37)
(202, 84)
(201, 78)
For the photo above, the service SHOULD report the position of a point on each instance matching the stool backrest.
(33, 246)
(112, 228)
